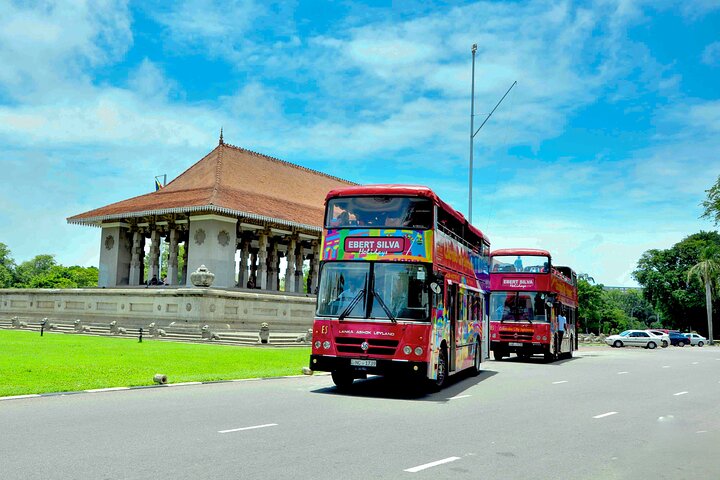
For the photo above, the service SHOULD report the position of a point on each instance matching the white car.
(634, 338)
(664, 337)
(696, 339)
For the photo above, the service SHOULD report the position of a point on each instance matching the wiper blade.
(384, 307)
(352, 304)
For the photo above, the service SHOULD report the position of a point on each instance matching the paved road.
(606, 414)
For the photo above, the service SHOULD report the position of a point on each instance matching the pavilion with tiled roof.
(232, 199)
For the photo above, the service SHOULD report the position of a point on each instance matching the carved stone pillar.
(262, 258)
(290, 271)
(172, 268)
(136, 266)
(183, 281)
(253, 269)
(272, 261)
(299, 259)
(154, 267)
(314, 267)
(242, 267)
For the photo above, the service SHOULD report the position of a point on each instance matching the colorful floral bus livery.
(403, 287)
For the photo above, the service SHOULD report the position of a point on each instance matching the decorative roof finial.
(221, 137)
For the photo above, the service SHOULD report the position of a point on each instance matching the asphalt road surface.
(605, 414)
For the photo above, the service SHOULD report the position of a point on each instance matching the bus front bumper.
(369, 366)
(525, 348)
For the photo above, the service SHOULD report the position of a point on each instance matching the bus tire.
(498, 355)
(476, 361)
(442, 373)
(342, 379)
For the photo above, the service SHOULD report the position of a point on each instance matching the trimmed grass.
(30, 363)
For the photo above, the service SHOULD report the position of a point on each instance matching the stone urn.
(202, 277)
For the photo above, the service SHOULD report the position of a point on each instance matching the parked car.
(696, 339)
(664, 337)
(634, 338)
(678, 339)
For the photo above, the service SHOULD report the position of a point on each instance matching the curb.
(141, 387)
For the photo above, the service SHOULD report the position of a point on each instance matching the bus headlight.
(537, 337)
(418, 351)
(326, 344)
(407, 349)
(544, 337)
(494, 335)
(317, 344)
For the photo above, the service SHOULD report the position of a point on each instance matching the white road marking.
(248, 428)
(14, 397)
(622, 373)
(701, 431)
(666, 366)
(559, 382)
(695, 363)
(112, 389)
(459, 396)
(431, 464)
(679, 393)
(605, 414)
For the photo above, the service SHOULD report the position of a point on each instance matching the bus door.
(452, 294)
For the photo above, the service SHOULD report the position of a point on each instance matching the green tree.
(37, 266)
(590, 300)
(7, 267)
(712, 203)
(707, 271)
(663, 274)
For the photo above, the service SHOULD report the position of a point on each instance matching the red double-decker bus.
(402, 289)
(529, 294)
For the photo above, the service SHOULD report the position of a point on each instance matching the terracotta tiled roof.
(233, 181)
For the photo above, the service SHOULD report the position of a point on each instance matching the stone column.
(136, 266)
(314, 266)
(214, 242)
(172, 270)
(154, 267)
(290, 271)
(242, 267)
(271, 266)
(252, 269)
(184, 279)
(115, 255)
(262, 261)
(299, 259)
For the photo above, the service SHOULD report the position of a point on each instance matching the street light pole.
(472, 135)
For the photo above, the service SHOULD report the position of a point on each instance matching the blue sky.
(603, 150)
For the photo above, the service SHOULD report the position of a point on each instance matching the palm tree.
(707, 271)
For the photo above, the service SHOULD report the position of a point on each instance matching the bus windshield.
(379, 290)
(521, 263)
(379, 212)
(518, 306)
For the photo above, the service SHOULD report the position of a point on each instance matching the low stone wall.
(165, 307)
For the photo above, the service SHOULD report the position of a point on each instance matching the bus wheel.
(477, 360)
(549, 356)
(498, 355)
(342, 378)
(442, 373)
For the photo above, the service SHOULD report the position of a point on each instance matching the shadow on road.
(539, 360)
(405, 389)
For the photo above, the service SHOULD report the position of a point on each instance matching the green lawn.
(30, 363)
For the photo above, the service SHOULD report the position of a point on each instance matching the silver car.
(664, 337)
(696, 339)
(633, 338)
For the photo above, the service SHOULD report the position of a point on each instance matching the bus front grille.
(516, 336)
(375, 346)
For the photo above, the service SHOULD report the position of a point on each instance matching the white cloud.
(711, 54)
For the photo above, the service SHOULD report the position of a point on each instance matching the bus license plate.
(363, 363)
(516, 344)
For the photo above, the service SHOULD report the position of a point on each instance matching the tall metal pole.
(472, 134)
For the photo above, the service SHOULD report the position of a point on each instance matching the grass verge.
(30, 363)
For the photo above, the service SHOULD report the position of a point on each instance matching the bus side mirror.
(435, 288)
